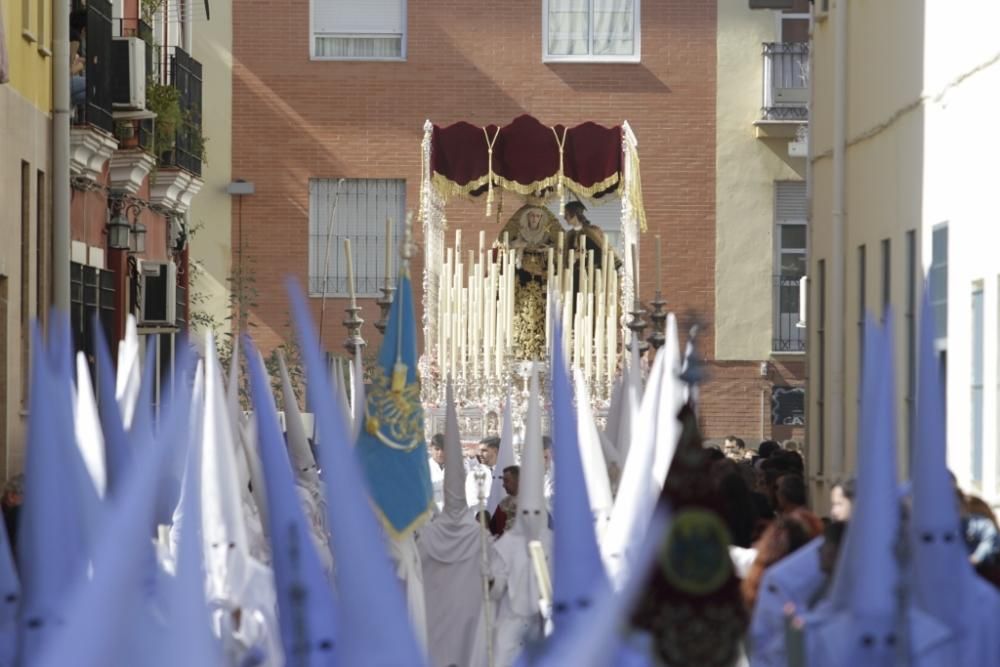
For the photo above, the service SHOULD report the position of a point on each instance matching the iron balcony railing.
(786, 81)
(787, 336)
(94, 106)
(178, 69)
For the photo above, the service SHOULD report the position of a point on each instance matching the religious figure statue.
(594, 239)
(531, 231)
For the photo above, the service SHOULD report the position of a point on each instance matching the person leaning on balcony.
(77, 60)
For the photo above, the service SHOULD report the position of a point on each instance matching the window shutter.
(358, 17)
(790, 201)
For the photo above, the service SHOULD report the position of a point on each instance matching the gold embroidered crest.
(394, 415)
(696, 557)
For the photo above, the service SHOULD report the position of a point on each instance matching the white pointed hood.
(453, 535)
(455, 503)
(532, 512)
(87, 427)
(595, 468)
(636, 491)
(505, 458)
(187, 637)
(298, 443)
(129, 378)
(224, 529)
(668, 428)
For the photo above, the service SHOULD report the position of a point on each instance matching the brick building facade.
(297, 118)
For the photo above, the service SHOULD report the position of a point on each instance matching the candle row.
(476, 299)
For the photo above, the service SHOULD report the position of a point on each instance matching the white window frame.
(402, 45)
(576, 58)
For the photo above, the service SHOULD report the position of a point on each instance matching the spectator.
(767, 448)
(13, 497)
(436, 465)
(785, 534)
(791, 493)
(842, 500)
(506, 511)
(77, 56)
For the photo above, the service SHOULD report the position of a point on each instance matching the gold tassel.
(560, 188)
(489, 170)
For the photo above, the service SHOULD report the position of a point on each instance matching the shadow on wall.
(609, 78)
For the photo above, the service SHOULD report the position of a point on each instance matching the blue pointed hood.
(114, 603)
(939, 554)
(367, 586)
(117, 450)
(580, 575)
(61, 509)
(306, 606)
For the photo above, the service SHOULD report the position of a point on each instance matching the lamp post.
(123, 234)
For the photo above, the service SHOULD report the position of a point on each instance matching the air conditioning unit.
(157, 293)
(128, 73)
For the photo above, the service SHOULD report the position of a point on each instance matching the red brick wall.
(294, 119)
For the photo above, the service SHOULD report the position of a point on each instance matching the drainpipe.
(60, 156)
(837, 259)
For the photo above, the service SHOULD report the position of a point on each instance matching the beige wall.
(211, 208)
(24, 137)
(885, 125)
(746, 169)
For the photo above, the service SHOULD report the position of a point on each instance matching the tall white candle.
(388, 251)
(350, 272)
(659, 264)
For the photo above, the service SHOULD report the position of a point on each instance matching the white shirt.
(437, 481)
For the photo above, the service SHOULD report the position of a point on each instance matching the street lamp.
(123, 235)
(138, 244)
(119, 232)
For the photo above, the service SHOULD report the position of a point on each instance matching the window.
(820, 317)
(791, 215)
(590, 30)
(92, 294)
(25, 274)
(977, 382)
(886, 276)
(938, 279)
(27, 11)
(362, 208)
(43, 36)
(41, 246)
(358, 30)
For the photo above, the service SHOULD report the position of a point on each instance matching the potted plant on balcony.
(127, 134)
(164, 100)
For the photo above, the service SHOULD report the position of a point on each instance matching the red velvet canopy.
(526, 158)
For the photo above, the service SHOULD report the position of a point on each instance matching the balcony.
(785, 109)
(178, 137)
(92, 95)
(787, 336)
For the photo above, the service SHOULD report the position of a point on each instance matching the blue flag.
(391, 444)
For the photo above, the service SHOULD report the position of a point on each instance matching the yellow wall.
(883, 199)
(211, 209)
(746, 169)
(30, 60)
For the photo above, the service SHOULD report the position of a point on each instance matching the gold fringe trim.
(449, 189)
(412, 526)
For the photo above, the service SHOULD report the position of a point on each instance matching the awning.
(527, 157)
